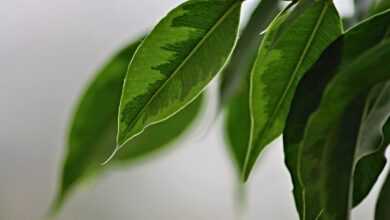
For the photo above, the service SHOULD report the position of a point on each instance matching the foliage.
(291, 71)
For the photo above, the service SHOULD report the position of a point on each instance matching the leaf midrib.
(292, 79)
(193, 51)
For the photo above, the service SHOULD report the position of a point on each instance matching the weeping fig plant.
(296, 70)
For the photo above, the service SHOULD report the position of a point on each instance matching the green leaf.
(176, 62)
(293, 42)
(93, 128)
(237, 125)
(380, 6)
(245, 52)
(309, 92)
(234, 89)
(325, 167)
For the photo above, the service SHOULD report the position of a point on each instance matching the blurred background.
(48, 51)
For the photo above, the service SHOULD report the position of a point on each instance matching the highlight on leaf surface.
(176, 62)
(92, 134)
(307, 100)
(319, 157)
(295, 39)
(234, 88)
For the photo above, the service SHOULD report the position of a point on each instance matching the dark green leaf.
(176, 62)
(324, 166)
(310, 90)
(93, 129)
(293, 42)
(244, 54)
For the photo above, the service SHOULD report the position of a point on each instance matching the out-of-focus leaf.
(234, 90)
(325, 167)
(309, 92)
(237, 124)
(293, 42)
(244, 54)
(380, 6)
(176, 62)
(93, 129)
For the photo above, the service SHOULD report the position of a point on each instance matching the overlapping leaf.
(176, 61)
(309, 92)
(93, 130)
(245, 52)
(322, 176)
(234, 90)
(293, 42)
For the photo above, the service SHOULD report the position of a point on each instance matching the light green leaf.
(92, 134)
(293, 42)
(320, 155)
(245, 52)
(309, 92)
(176, 62)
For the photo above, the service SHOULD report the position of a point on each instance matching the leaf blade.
(92, 133)
(156, 89)
(320, 24)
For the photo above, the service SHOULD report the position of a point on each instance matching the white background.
(48, 50)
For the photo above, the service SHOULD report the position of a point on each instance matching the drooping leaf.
(237, 125)
(309, 92)
(293, 42)
(245, 52)
(368, 168)
(92, 134)
(371, 146)
(234, 89)
(324, 166)
(176, 62)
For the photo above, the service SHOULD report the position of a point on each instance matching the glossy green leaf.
(92, 134)
(369, 168)
(245, 52)
(293, 42)
(176, 62)
(311, 88)
(324, 166)
(234, 90)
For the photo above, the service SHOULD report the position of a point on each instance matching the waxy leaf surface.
(176, 62)
(320, 154)
(292, 44)
(308, 96)
(92, 134)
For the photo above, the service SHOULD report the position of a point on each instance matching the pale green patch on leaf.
(319, 155)
(308, 96)
(244, 54)
(92, 134)
(176, 62)
(292, 44)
